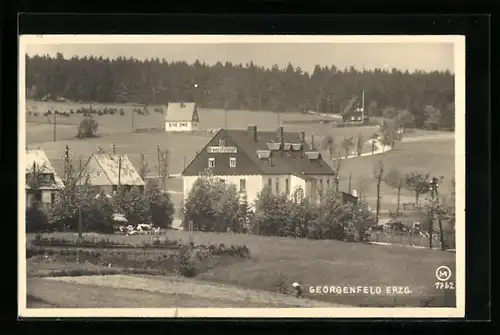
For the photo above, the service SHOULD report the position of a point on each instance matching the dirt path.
(191, 290)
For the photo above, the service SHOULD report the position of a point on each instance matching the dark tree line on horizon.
(241, 86)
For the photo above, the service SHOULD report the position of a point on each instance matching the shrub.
(35, 114)
(212, 205)
(161, 208)
(37, 218)
(280, 285)
(87, 128)
(186, 262)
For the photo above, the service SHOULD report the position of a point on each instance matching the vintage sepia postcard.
(241, 176)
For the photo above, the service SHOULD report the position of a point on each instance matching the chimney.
(302, 136)
(312, 142)
(252, 132)
(281, 139)
(280, 135)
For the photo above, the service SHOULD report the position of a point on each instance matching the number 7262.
(444, 286)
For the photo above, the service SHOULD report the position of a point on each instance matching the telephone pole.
(119, 171)
(66, 163)
(133, 125)
(350, 176)
(363, 106)
(54, 125)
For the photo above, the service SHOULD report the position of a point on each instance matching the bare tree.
(359, 144)
(338, 165)
(347, 143)
(395, 179)
(362, 186)
(164, 171)
(328, 143)
(418, 183)
(143, 166)
(378, 174)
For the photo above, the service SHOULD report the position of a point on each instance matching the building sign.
(222, 150)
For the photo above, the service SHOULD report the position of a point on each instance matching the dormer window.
(263, 154)
(232, 162)
(312, 155)
(273, 145)
(211, 162)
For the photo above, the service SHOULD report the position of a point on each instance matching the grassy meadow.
(281, 261)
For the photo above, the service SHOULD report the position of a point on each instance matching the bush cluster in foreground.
(97, 210)
(215, 206)
(186, 259)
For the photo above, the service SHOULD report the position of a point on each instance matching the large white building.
(252, 160)
(42, 182)
(181, 117)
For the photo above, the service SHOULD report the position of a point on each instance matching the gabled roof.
(38, 158)
(110, 165)
(291, 161)
(181, 111)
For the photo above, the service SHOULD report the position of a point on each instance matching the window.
(38, 196)
(243, 185)
(52, 198)
(222, 142)
(270, 183)
(232, 162)
(328, 183)
(277, 185)
(211, 162)
(222, 180)
(287, 186)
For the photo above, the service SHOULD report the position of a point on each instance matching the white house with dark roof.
(181, 117)
(252, 160)
(107, 171)
(42, 182)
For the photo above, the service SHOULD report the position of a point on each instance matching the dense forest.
(241, 86)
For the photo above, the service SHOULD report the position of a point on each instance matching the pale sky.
(404, 56)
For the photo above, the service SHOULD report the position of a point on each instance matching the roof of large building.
(110, 164)
(181, 111)
(268, 156)
(36, 158)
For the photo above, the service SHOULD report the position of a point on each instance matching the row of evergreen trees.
(238, 86)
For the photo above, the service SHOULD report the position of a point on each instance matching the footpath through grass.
(276, 263)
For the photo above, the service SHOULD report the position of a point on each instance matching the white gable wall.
(96, 174)
(173, 126)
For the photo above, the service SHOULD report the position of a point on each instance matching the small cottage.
(181, 117)
(42, 182)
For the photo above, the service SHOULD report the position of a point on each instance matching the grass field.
(118, 124)
(434, 156)
(277, 260)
